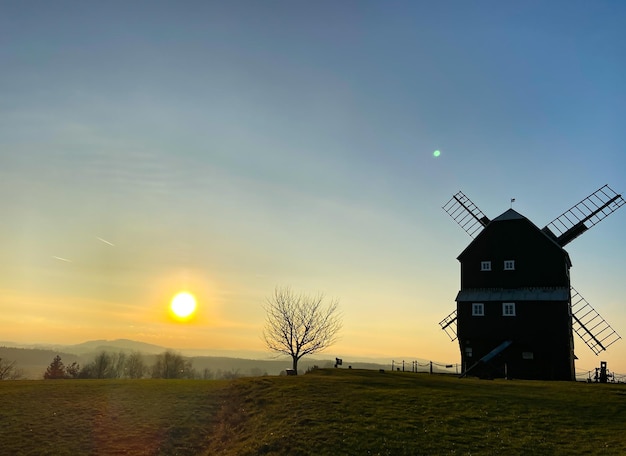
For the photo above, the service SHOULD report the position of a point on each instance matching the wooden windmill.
(517, 311)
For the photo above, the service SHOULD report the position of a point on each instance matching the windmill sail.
(587, 213)
(448, 324)
(590, 326)
(464, 212)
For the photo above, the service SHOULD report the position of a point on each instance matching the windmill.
(516, 310)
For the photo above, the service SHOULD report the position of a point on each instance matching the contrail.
(62, 259)
(105, 241)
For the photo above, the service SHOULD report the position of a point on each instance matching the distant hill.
(34, 359)
(124, 345)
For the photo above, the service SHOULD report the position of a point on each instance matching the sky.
(229, 148)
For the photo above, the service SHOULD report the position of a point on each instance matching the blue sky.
(230, 147)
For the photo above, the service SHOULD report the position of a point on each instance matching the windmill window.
(509, 265)
(485, 265)
(478, 309)
(508, 309)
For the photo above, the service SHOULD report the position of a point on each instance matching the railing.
(429, 367)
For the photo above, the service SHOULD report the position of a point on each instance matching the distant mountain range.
(127, 345)
(94, 346)
(33, 359)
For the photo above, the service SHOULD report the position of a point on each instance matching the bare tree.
(135, 365)
(118, 365)
(228, 375)
(73, 370)
(207, 374)
(172, 365)
(8, 371)
(102, 366)
(299, 325)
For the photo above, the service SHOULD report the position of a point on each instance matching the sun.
(183, 306)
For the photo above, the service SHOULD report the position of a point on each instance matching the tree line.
(168, 365)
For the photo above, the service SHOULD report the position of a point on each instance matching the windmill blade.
(590, 326)
(448, 324)
(587, 213)
(464, 212)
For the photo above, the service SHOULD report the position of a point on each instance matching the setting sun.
(183, 305)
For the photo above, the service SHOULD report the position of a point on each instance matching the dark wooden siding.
(542, 328)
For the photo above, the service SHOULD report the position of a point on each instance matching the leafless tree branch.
(299, 324)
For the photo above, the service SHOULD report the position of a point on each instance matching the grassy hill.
(326, 412)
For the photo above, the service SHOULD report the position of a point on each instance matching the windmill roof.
(509, 215)
(513, 215)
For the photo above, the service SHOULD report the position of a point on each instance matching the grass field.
(326, 412)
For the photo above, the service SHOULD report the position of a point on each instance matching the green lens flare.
(436, 153)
